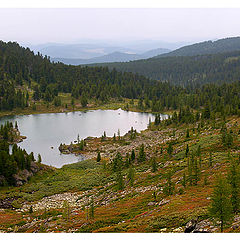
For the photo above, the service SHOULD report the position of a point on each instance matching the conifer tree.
(234, 181)
(120, 183)
(92, 208)
(98, 157)
(117, 162)
(114, 137)
(196, 171)
(84, 100)
(154, 164)
(184, 182)
(142, 154)
(119, 136)
(221, 208)
(131, 175)
(169, 187)
(39, 158)
(127, 161)
(187, 134)
(170, 149)
(133, 156)
(190, 171)
(187, 151)
(198, 153)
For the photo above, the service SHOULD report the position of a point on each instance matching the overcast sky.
(70, 25)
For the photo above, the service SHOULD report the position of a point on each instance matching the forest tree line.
(20, 67)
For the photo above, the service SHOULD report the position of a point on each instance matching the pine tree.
(119, 136)
(133, 156)
(98, 157)
(187, 151)
(73, 103)
(221, 208)
(154, 165)
(92, 208)
(114, 137)
(170, 149)
(149, 123)
(234, 181)
(142, 154)
(169, 187)
(84, 101)
(120, 183)
(131, 175)
(39, 158)
(198, 153)
(190, 171)
(187, 134)
(117, 162)
(196, 171)
(184, 182)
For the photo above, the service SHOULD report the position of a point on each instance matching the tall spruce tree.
(170, 186)
(221, 207)
(142, 154)
(234, 181)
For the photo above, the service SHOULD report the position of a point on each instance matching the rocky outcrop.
(6, 203)
(196, 226)
(24, 175)
(191, 226)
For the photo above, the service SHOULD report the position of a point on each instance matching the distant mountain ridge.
(196, 64)
(206, 47)
(112, 57)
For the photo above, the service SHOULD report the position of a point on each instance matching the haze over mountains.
(210, 61)
(207, 47)
(113, 57)
(97, 51)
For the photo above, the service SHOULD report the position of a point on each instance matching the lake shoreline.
(46, 131)
(107, 106)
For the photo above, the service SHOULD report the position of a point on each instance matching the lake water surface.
(45, 132)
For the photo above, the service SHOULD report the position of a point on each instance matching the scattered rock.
(191, 225)
(151, 203)
(163, 202)
(178, 230)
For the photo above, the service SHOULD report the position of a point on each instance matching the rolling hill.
(112, 57)
(196, 64)
(207, 47)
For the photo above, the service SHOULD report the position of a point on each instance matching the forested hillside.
(207, 47)
(19, 66)
(18, 160)
(23, 73)
(186, 71)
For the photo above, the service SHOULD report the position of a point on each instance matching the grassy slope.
(128, 210)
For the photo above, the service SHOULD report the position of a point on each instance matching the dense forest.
(186, 71)
(11, 163)
(20, 66)
(22, 71)
(207, 47)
